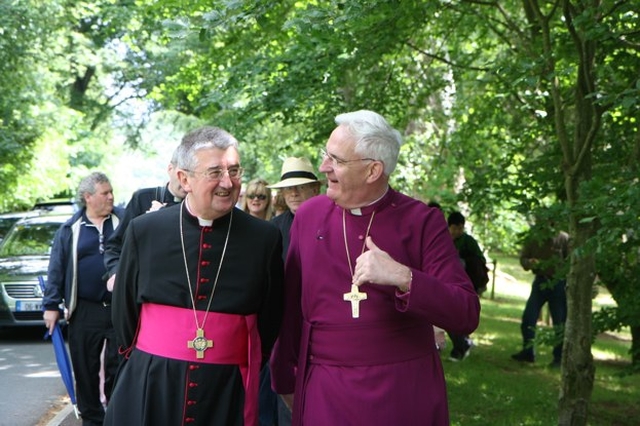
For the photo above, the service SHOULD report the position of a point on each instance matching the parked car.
(24, 255)
(58, 205)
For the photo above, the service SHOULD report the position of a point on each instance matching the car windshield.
(6, 223)
(29, 240)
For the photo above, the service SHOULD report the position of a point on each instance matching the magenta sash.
(165, 330)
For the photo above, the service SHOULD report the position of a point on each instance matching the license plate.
(22, 306)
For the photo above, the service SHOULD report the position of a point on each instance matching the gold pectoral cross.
(199, 343)
(354, 296)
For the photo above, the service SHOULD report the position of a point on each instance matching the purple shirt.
(383, 367)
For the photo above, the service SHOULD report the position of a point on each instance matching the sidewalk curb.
(59, 418)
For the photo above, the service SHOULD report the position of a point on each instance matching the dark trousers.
(272, 409)
(89, 328)
(544, 291)
(267, 400)
(284, 414)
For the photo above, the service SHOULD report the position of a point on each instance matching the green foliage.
(21, 37)
(58, 62)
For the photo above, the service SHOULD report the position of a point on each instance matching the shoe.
(457, 356)
(523, 356)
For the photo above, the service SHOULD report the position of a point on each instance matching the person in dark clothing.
(471, 256)
(545, 256)
(143, 201)
(75, 277)
(198, 299)
(298, 183)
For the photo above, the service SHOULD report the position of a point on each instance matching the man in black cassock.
(196, 307)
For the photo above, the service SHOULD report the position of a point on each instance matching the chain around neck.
(186, 269)
(344, 232)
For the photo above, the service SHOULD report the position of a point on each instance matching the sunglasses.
(260, 197)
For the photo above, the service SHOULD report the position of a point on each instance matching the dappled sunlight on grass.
(606, 355)
(484, 339)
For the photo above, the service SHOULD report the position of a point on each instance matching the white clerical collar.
(358, 211)
(205, 222)
(176, 199)
(201, 221)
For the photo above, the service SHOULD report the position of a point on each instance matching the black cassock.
(160, 390)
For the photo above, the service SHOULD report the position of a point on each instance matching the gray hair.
(202, 138)
(88, 186)
(375, 138)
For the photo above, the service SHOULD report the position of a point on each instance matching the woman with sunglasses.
(257, 199)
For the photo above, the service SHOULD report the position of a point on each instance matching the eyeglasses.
(101, 242)
(336, 162)
(260, 197)
(216, 173)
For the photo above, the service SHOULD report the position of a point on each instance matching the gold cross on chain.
(355, 297)
(199, 343)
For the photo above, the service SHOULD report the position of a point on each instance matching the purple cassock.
(381, 368)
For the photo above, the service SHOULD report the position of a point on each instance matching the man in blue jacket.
(75, 277)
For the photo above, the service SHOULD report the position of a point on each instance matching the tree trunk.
(578, 370)
(635, 347)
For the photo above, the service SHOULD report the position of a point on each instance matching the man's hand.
(440, 337)
(377, 267)
(51, 319)
(155, 205)
(110, 282)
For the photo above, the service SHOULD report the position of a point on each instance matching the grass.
(488, 388)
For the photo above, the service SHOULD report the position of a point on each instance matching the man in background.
(544, 253)
(298, 183)
(144, 200)
(475, 265)
(75, 277)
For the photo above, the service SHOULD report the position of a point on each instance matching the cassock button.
(189, 420)
(193, 385)
(206, 246)
(361, 237)
(193, 367)
(204, 280)
(191, 402)
(205, 263)
(202, 297)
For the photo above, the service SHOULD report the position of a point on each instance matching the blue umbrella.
(62, 358)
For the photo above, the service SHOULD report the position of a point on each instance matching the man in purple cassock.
(368, 274)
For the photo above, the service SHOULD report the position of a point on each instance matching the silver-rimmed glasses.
(217, 173)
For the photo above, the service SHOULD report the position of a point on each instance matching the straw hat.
(295, 171)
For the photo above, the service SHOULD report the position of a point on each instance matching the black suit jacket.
(139, 204)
